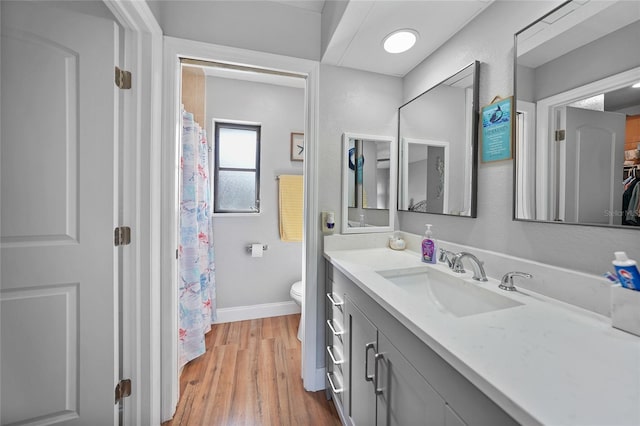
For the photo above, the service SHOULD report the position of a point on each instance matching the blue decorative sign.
(496, 131)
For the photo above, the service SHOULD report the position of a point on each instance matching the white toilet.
(296, 295)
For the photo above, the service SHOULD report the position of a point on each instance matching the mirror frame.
(514, 131)
(475, 140)
(393, 179)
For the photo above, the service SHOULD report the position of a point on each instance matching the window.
(236, 184)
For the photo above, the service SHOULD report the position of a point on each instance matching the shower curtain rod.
(214, 64)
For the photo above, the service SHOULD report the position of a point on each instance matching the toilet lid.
(296, 288)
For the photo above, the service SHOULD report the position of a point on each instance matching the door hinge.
(559, 135)
(123, 389)
(123, 79)
(122, 236)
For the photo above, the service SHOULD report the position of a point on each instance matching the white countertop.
(544, 362)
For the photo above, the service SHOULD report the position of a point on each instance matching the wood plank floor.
(250, 375)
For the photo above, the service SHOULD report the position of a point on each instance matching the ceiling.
(356, 40)
(572, 26)
(312, 5)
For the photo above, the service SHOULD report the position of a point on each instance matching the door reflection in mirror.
(576, 110)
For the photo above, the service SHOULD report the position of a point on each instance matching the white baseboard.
(265, 310)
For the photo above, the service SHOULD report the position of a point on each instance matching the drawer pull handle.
(378, 390)
(333, 329)
(335, 301)
(368, 346)
(333, 358)
(333, 387)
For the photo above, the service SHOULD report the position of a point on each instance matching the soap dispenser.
(429, 249)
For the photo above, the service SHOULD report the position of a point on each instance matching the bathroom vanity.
(410, 343)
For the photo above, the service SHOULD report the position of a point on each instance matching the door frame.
(174, 49)
(546, 122)
(525, 205)
(140, 209)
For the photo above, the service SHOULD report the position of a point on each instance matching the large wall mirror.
(577, 86)
(438, 145)
(368, 183)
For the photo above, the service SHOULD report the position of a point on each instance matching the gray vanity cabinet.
(415, 386)
(385, 389)
(362, 344)
(405, 397)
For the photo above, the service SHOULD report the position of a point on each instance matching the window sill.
(221, 215)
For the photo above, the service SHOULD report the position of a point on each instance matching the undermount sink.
(452, 294)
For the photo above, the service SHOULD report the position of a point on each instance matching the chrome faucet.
(476, 265)
(507, 280)
(447, 256)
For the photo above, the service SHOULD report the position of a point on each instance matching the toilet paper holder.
(249, 247)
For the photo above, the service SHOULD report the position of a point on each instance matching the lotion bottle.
(429, 250)
(627, 271)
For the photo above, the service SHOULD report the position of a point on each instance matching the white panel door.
(59, 297)
(594, 154)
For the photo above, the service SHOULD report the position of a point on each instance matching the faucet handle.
(445, 256)
(507, 280)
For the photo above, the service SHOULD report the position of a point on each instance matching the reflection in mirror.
(438, 147)
(369, 176)
(578, 115)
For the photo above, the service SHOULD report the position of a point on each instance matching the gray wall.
(241, 279)
(489, 38)
(350, 101)
(266, 26)
(578, 67)
(617, 52)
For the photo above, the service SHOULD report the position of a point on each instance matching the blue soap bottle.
(429, 246)
(627, 271)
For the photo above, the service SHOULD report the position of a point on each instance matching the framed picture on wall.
(297, 146)
(496, 130)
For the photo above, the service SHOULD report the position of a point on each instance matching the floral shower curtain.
(196, 288)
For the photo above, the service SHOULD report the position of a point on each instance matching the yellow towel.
(291, 206)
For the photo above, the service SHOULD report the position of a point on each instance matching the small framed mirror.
(369, 170)
(577, 91)
(438, 139)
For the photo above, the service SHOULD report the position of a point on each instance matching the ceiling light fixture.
(400, 41)
(636, 86)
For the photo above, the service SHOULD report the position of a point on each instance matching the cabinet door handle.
(333, 358)
(334, 302)
(377, 358)
(368, 346)
(333, 387)
(333, 329)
